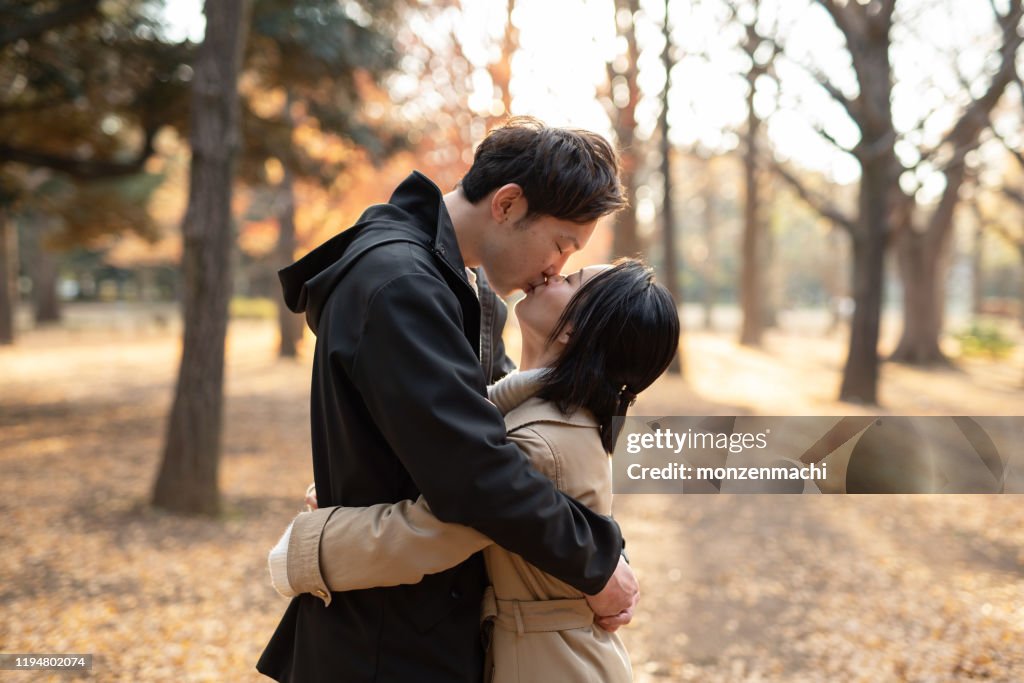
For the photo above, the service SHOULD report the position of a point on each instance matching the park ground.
(735, 588)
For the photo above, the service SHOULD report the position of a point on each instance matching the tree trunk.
(922, 262)
(290, 324)
(772, 280)
(187, 481)
(751, 285)
(44, 272)
(977, 270)
(918, 257)
(860, 374)
(751, 276)
(668, 213)
(832, 276)
(44, 289)
(923, 323)
(1020, 286)
(501, 70)
(8, 277)
(710, 218)
(944, 265)
(626, 237)
(868, 41)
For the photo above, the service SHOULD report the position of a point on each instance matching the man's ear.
(505, 203)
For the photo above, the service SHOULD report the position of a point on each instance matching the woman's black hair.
(624, 334)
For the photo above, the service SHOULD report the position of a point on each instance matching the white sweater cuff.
(278, 562)
(515, 388)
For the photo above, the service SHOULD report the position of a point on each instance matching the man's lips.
(531, 286)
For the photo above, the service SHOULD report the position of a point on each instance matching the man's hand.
(613, 606)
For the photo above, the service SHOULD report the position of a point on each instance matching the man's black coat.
(399, 408)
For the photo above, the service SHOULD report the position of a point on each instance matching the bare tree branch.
(87, 169)
(39, 105)
(879, 147)
(840, 15)
(966, 132)
(888, 8)
(976, 117)
(988, 223)
(820, 130)
(928, 154)
(813, 199)
(66, 13)
(1017, 196)
(1014, 151)
(851, 107)
(830, 139)
(734, 11)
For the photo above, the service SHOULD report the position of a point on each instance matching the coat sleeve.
(352, 548)
(420, 381)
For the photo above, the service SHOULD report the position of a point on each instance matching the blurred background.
(833, 190)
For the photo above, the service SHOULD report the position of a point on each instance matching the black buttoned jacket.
(399, 408)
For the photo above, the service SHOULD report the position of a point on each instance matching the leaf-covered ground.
(735, 588)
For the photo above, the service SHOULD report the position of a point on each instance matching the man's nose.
(556, 267)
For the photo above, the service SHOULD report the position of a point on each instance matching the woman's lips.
(531, 288)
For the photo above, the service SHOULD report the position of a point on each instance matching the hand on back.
(613, 607)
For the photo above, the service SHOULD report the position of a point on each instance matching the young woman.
(591, 342)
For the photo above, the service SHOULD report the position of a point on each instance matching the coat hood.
(415, 213)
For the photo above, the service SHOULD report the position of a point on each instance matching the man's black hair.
(566, 173)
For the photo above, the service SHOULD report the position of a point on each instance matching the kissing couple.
(462, 531)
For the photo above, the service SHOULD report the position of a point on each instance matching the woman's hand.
(311, 497)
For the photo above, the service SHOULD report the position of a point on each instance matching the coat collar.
(535, 410)
(419, 197)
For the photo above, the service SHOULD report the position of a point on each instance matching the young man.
(399, 402)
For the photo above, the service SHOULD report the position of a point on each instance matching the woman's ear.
(563, 337)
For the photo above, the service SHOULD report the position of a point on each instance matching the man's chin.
(505, 290)
(502, 289)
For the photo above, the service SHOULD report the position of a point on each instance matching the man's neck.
(466, 221)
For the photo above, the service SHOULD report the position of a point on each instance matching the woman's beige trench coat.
(543, 629)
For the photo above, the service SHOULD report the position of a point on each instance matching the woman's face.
(538, 313)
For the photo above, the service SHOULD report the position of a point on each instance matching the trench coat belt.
(536, 616)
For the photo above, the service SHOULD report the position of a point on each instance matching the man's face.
(523, 254)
